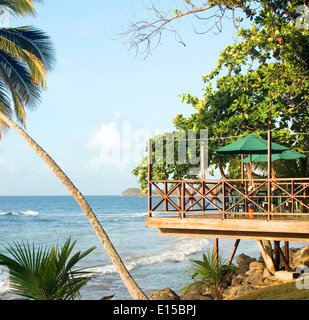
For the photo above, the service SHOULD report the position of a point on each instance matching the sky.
(102, 103)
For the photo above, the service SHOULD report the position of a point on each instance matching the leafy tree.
(45, 273)
(212, 273)
(259, 83)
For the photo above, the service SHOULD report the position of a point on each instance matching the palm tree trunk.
(129, 282)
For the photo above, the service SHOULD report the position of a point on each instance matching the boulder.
(242, 269)
(195, 294)
(256, 265)
(164, 294)
(231, 292)
(238, 280)
(301, 257)
(243, 259)
(267, 273)
(255, 278)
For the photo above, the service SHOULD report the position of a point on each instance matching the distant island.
(132, 192)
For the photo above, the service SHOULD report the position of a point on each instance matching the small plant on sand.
(212, 273)
(45, 273)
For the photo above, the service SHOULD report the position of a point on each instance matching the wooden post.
(269, 175)
(277, 254)
(223, 200)
(215, 249)
(149, 176)
(242, 169)
(285, 257)
(287, 251)
(267, 258)
(165, 202)
(202, 163)
(179, 196)
(183, 199)
(292, 193)
(233, 251)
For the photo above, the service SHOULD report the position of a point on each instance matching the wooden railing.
(260, 198)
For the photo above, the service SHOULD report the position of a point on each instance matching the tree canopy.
(259, 83)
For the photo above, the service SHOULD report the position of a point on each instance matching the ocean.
(155, 262)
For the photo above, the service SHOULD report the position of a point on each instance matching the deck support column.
(215, 249)
(149, 176)
(233, 251)
(285, 256)
(287, 250)
(277, 255)
(267, 258)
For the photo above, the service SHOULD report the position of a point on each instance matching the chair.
(235, 197)
(276, 200)
(261, 197)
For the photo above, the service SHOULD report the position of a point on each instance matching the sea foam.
(180, 252)
(20, 213)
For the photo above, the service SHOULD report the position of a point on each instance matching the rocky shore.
(251, 274)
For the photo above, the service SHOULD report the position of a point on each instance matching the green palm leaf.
(19, 79)
(45, 274)
(20, 7)
(32, 40)
(26, 54)
(211, 272)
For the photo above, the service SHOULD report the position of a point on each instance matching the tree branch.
(143, 32)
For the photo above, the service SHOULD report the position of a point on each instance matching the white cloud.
(10, 167)
(115, 143)
(107, 143)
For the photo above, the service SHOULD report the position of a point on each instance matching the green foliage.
(259, 83)
(26, 54)
(164, 167)
(212, 273)
(45, 273)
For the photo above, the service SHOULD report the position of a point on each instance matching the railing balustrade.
(261, 198)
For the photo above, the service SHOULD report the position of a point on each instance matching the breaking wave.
(177, 253)
(20, 213)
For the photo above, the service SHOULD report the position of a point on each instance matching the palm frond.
(15, 75)
(5, 108)
(45, 274)
(35, 65)
(210, 272)
(26, 270)
(20, 7)
(32, 40)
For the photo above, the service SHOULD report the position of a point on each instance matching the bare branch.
(145, 35)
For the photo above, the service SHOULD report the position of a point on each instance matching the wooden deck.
(209, 227)
(272, 209)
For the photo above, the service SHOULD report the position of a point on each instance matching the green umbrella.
(286, 155)
(251, 145)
